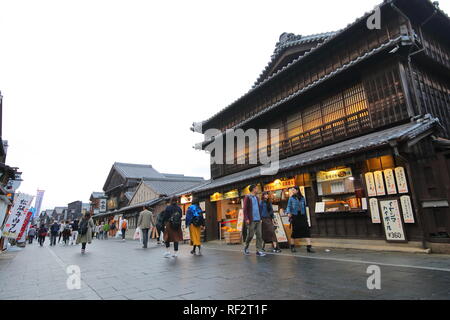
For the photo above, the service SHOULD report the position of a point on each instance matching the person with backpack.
(112, 228)
(54, 231)
(74, 226)
(172, 227)
(160, 226)
(66, 233)
(42, 233)
(31, 234)
(123, 228)
(85, 231)
(105, 230)
(145, 222)
(195, 223)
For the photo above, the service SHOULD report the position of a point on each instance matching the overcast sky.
(89, 82)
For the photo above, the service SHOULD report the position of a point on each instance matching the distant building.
(98, 202)
(74, 210)
(59, 213)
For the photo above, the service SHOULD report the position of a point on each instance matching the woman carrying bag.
(296, 210)
(85, 231)
(267, 226)
(172, 227)
(195, 223)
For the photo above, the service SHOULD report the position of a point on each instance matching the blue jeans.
(145, 237)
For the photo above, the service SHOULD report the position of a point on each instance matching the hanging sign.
(279, 230)
(379, 183)
(240, 222)
(333, 174)
(374, 211)
(279, 184)
(17, 216)
(216, 197)
(408, 215)
(400, 175)
(231, 194)
(392, 220)
(186, 199)
(202, 205)
(390, 181)
(370, 183)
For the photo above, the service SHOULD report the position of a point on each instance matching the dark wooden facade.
(356, 82)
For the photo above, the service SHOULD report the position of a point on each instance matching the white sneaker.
(167, 254)
(174, 255)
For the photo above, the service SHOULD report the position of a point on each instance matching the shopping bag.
(137, 234)
(118, 234)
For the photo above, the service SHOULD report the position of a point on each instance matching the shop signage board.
(370, 183)
(390, 181)
(186, 234)
(279, 231)
(333, 174)
(379, 183)
(240, 222)
(279, 184)
(392, 220)
(402, 184)
(102, 205)
(203, 205)
(320, 207)
(24, 227)
(231, 194)
(374, 211)
(408, 215)
(17, 216)
(216, 197)
(186, 199)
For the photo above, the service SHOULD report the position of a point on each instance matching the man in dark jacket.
(54, 231)
(252, 218)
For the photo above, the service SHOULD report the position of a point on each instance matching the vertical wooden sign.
(374, 211)
(408, 215)
(400, 176)
(392, 221)
(279, 231)
(379, 183)
(390, 181)
(370, 183)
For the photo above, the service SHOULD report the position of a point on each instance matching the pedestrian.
(97, 230)
(160, 226)
(145, 222)
(74, 227)
(54, 231)
(123, 228)
(296, 210)
(84, 234)
(172, 227)
(112, 228)
(31, 234)
(42, 233)
(252, 217)
(100, 228)
(61, 229)
(195, 223)
(267, 225)
(105, 230)
(66, 233)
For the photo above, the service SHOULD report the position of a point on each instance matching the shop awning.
(412, 131)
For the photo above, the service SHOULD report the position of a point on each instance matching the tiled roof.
(129, 195)
(369, 141)
(170, 187)
(137, 171)
(96, 195)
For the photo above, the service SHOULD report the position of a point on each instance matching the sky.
(87, 83)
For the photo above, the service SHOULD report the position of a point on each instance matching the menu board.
(390, 181)
(392, 220)
(408, 215)
(240, 222)
(370, 183)
(374, 211)
(279, 231)
(379, 183)
(186, 234)
(400, 176)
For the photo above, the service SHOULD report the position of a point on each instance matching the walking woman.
(85, 231)
(268, 228)
(296, 210)
(172, 230)
(42, 233)
(67, 232)
(195, 223)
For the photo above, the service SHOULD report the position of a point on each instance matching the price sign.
(392, 220)
(374, 211)
(370, 183)
(408, 215)
(379, 183)
(401, 180)
(390, 181)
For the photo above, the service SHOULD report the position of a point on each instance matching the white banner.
(18, 213)
(38, 202)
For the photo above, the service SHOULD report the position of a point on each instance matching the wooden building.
(97, 203)
(364, 122)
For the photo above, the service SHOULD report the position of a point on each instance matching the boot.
(293, 248)
(309, 249)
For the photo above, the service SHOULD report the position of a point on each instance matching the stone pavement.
(113, 269)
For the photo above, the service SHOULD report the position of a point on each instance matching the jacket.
(54, 228)
(145, 220)
(86, 238)
(169, 211)
(296, 205)
(32, 232)
(192, 211)
(248, 208)
(269, 209)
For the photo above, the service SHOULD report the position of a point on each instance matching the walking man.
(252, 217)
(124, 227)
(31, 234)
(145, 222)
(54, 231)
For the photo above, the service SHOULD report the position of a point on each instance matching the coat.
(86, 238)
(296, 205)
(145, 220)
(248, 208)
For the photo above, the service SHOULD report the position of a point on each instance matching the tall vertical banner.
(24, 229)
(17, 216)
(38, 202)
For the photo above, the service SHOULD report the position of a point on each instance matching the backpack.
(197, 218)
(160, 220)
(175, 220)
(83, 227)
(124, 224)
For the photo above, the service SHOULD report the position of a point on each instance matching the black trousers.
(41, 240)
(123, 233)
(30, 239)
(83, 245)
(175, 245)
(145, 237)
(53, 239)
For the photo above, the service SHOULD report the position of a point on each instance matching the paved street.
(114, 269)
